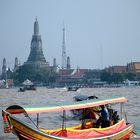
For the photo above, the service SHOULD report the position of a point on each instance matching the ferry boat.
(24, 131)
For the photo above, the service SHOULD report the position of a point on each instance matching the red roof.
(79, 73)
(65, 72)
(74, 73)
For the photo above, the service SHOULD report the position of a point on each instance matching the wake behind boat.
(116, 131)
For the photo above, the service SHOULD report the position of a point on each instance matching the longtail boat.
(24, 131)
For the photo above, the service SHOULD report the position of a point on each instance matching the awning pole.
(64, 120)
(83, 119)
(31, 119)
(121, 110)
(125, 115)
(37, 119)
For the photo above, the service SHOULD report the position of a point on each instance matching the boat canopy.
(16, 109)
(27, 82)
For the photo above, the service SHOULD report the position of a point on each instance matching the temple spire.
(36, 27)
(4, 69)
(36, 57)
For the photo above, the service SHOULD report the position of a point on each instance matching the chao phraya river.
(46, 96)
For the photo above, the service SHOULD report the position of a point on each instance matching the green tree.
(42, 75)
(116, 78)
(23, 73)
(130, 76)
(105, 76)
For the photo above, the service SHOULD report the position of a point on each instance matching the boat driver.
(103, 120)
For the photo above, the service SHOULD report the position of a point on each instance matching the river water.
(46, 96)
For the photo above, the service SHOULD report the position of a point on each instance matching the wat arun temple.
(36, 57)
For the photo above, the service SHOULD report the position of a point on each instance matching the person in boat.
(110, 110)
(89, 116)
(104, 119)
(115, 117)
(93, 117)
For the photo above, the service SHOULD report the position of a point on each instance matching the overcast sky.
(99, 33)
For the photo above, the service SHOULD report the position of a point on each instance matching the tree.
(24, 72)
(112, 78)
(116, 78)
(130, 76)
(105, 77)
(42, 75)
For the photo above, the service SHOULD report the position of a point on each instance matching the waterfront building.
(36, 57)
(133, 67)
(71, 76)
(116, 69)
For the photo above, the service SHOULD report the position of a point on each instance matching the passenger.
(104, 118)
(89, 116)
(111, 111)
(93, 118)
(115, 117)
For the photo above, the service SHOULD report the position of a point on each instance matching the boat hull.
(26, 132)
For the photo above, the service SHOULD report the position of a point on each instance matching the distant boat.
(129, 83)
(72, 88)
(84, 97)
(27, 85)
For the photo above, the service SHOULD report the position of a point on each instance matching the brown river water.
(44, 96)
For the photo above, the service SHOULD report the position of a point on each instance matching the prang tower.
(36, 57)
(4, 70)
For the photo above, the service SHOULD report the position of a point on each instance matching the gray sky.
(99, 33)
